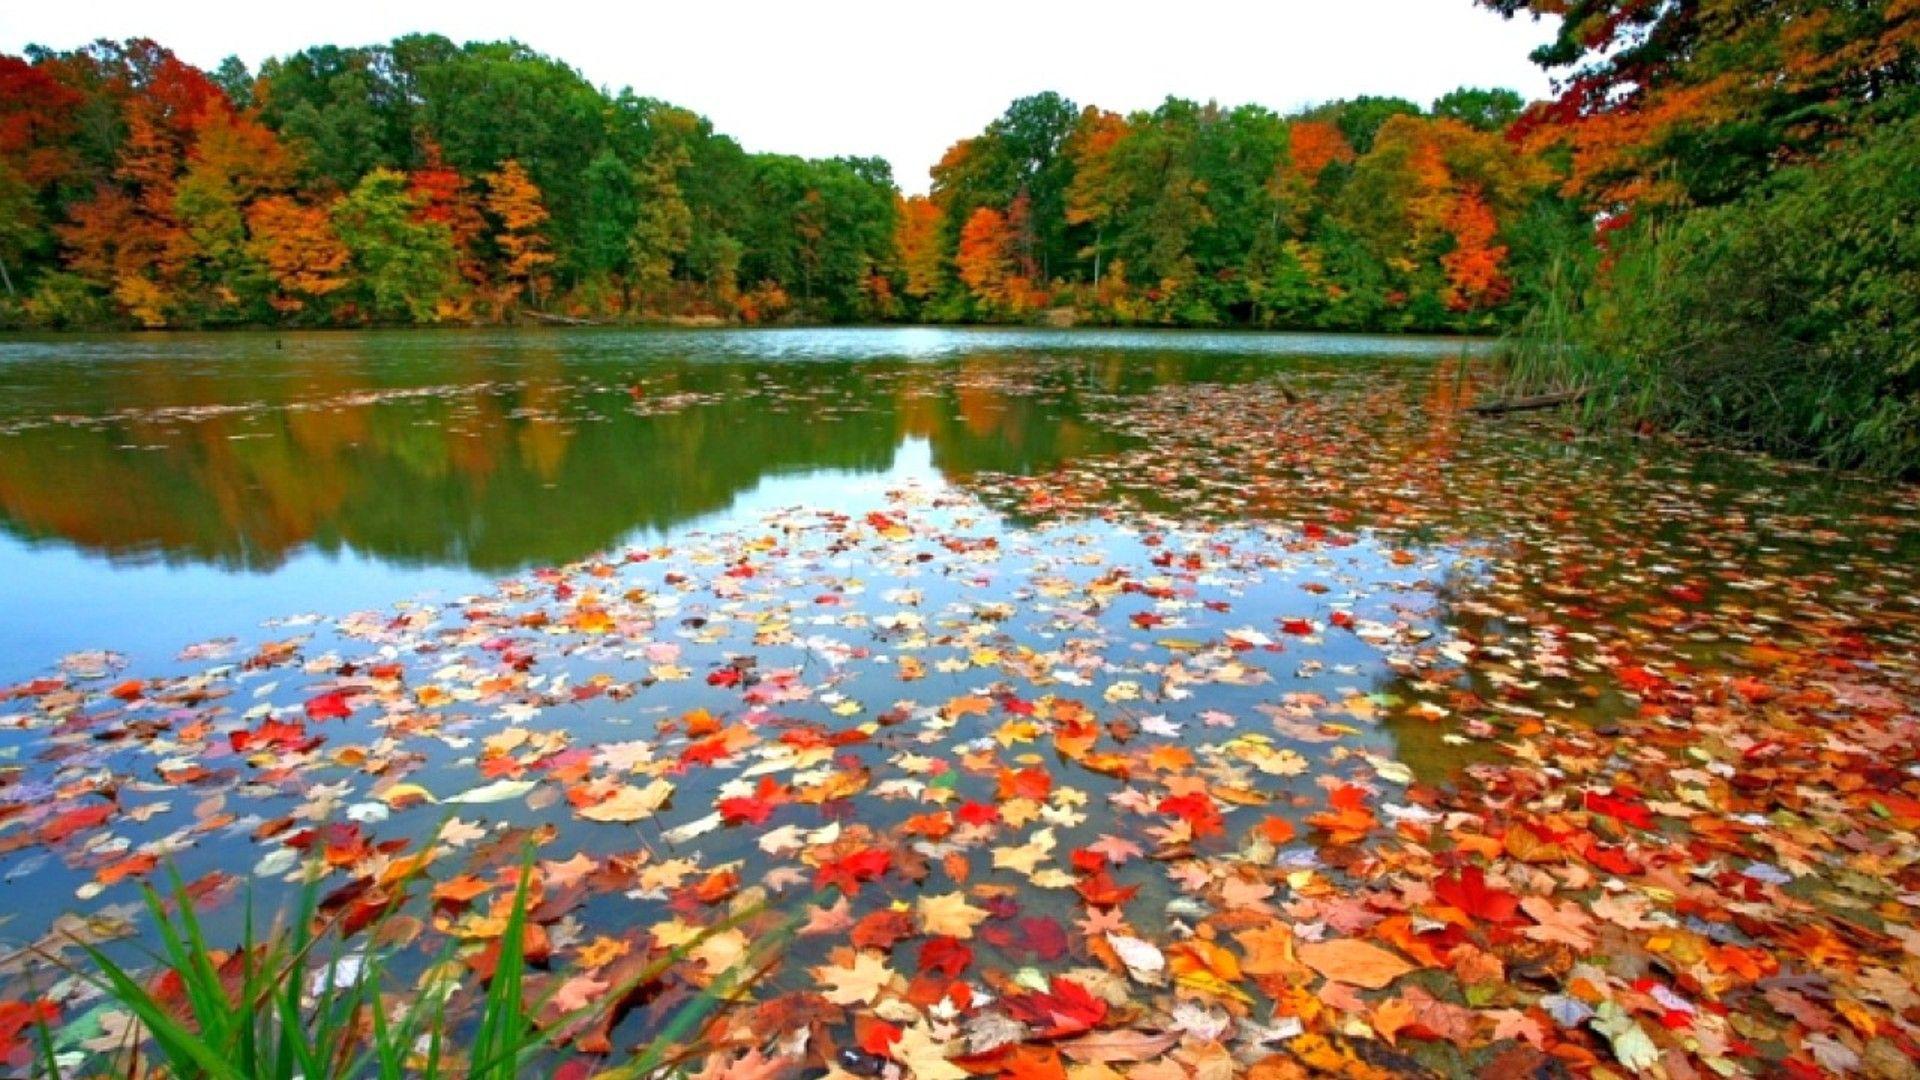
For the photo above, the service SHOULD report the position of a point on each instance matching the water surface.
(160, 488)
(947, 595)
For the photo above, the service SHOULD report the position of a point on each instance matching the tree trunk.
(7, 279)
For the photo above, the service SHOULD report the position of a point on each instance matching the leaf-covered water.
(1167, 704)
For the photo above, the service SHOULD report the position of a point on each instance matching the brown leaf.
(1125, 1045)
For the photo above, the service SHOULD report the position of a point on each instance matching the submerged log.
(1537, 401)
(562, 320)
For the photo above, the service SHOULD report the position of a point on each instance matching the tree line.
(424, 181)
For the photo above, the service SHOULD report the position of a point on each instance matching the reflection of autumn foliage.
(504, 461)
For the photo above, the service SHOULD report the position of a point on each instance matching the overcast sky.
(898, 78)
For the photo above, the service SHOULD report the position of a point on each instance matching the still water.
(160, 489)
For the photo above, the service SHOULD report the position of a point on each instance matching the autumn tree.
(993, 261)
(917, 239)
(513, 201)
(403, 267)
(983, 260)
(1094, 193)
(38, 114)
(1475, 278)
(1312, 145)
(1020, 152)
(127, 237)
(444, 197)
(1695, 102)
(234, 161)
(301, 250)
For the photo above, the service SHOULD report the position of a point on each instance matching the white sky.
(902, 79)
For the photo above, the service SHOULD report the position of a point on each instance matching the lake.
(157, 489)
(712, 614)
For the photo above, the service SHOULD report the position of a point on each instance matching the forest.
(424, 181)
(1710, 227)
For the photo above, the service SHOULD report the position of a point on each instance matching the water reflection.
(495, 452)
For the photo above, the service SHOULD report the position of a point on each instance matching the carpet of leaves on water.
(1328, 732)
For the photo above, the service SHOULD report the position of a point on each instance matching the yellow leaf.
(949, 915)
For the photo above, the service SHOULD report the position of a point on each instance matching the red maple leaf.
(1468, 891)
(331, 705)
(1065, 1009)
(947, 955)
(847, 873)
(1100, 890)
(1620, 809)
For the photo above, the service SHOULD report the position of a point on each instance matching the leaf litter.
(1325, 732)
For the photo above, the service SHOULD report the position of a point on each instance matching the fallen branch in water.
(1537, 401)
(562, 320)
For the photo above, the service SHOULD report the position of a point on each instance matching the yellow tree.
(234, 161)
(1094, 194)
(916, 239)
(514, 201)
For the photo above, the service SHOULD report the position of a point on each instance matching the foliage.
(1488, 110)
(185, 199)
(166, 190)
(514, 203)
(1356, 215)
(300, 249)
(1693, 103)
(1755, 259)
(1784, 321)
(403, 264)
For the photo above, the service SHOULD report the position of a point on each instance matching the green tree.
(340, 111)
(1488, 110)
(1359, 119)
(403, 267)
(608, 217)
(20, 227)
(233, 79)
